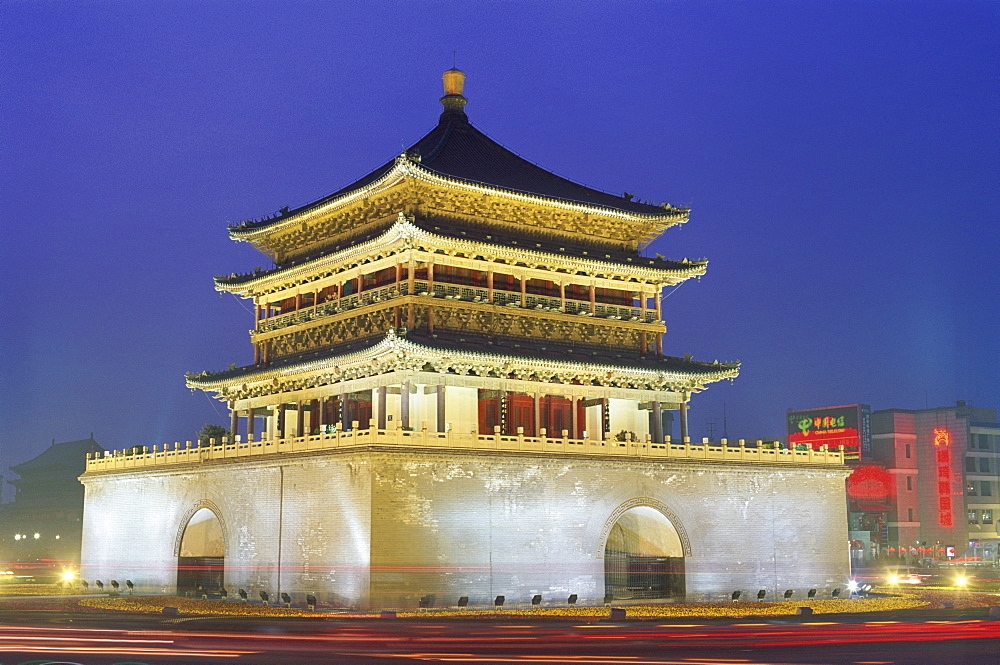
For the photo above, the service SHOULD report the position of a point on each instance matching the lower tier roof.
(469, 353)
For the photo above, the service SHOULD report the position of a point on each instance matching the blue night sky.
(840, 158)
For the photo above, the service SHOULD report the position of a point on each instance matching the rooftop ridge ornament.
(453, 101)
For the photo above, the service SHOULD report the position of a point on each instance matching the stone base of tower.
(379, 528)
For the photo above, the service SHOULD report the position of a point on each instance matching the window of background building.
(970, 464)
(984, 464)
(909, 514)
(907, 451)
(973, 517)
(909, 485)
(988, 516)
(986, 488)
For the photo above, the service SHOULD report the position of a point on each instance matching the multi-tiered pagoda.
(458, 395)
(461, 288)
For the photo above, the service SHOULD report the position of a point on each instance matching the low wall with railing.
(192, 453)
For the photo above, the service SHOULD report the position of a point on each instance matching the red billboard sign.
(845, 428)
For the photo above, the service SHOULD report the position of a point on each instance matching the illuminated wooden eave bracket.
(405, 167)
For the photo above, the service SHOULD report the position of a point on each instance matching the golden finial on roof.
(454, 84)
(454, 81)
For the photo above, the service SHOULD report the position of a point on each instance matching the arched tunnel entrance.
(202, 556)
(643, 558)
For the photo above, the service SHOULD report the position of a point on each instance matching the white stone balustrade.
(190, 453)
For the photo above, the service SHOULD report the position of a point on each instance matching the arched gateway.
(643, 557)
(202, 554)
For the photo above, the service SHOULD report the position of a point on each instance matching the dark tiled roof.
(561, 352)
(457, 150)
(518, 348)
(595, 252)
(72, 453)
(345, 348)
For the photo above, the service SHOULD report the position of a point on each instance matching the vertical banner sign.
(846, 428)
(865, 421)
(942, 451)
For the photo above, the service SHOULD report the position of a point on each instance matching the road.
(118, 640)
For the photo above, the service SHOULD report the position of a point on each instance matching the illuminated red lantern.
(940, 550)
(892, 549)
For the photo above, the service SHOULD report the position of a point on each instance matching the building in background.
(944, 468)
(45, 519)
(924, 484)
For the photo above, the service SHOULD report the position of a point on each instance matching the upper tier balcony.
(447, 291)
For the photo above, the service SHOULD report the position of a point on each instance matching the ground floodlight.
(536, 600)
(788, 594)
(264, 597)
(286, 599)
(310, 601)
(498, 601)
(811, 594)
(223, 593)
(243, 595)
(836, 592)
(84, 584)
(761, 594)
(100, 585)
(463, 601)
(114, 585)
(571, 600)
(736, 595)
(961, 580)
(852, 586)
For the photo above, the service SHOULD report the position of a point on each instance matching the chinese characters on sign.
(838, 427)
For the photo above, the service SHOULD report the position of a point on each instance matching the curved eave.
(393, 344)
(404, 167)
(403, 228)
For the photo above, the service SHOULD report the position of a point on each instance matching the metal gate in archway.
(201, 562)
(643, 557)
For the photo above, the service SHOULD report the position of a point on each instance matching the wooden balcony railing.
(455, 292)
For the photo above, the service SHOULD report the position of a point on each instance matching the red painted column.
(250, 424)
(574, 431)
(536, 416)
